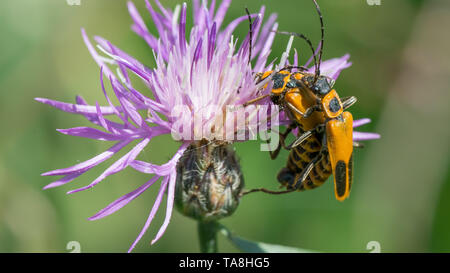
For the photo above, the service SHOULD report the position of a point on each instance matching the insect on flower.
(325, 141)
(197, 70)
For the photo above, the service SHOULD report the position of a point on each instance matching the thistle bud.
(209, 181)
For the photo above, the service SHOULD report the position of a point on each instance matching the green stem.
(207, 234)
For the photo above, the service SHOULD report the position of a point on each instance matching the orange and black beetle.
(324, 144)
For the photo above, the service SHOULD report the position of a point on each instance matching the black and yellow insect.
(324, 144)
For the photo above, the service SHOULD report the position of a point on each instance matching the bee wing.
(340, 148)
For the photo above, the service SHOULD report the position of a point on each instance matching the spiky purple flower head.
(196, 69)
(199, 67)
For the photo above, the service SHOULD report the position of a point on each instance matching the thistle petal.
(122, 201)
(86, 165)
(119, 165)
(360, 136)
(155, 208)
(89, 132)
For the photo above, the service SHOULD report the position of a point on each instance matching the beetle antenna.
(250, 34)
(322, 30)
(300, 35)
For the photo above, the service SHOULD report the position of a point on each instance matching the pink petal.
(361, 122)
(333, 67)
(162, 170)
(90, 133)
(95, 55)
(76, 108)
(170, 200)
(122, 201)
(155, 208)
(86, 165)
(119, 165)
(361, 136)
(66, 179)
(139, 26)
(221, 11)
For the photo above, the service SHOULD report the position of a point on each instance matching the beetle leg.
(290, 67)
(358, 144)
(348, 101)
(293, 108)
(274, 154)
(308, 111)
(304, 136)
(311, 110)
(304, 174)
(300, 139)
(255, 100)
(266, 191)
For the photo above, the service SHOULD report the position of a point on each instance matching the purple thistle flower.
(202, 69)
(196, 68)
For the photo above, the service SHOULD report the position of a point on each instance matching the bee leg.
(348, 101)
(358, 144)
(274, 154)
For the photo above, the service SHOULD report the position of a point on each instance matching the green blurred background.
(400, 74)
